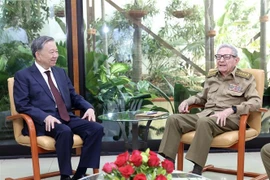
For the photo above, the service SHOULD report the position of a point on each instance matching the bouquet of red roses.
(138, 166)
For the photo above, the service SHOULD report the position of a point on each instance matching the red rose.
(152, 153)
(136, 158)
(108, 167)
(136, 152)
(126, 171)
(161, 177)
(122, 159)
(168, 165)
(140, 176)
(153, 161)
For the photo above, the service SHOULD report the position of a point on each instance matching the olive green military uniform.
(219, 93)
(265, 155)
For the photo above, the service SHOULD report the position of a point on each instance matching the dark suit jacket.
(32, 96)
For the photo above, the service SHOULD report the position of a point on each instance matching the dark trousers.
(91, 134)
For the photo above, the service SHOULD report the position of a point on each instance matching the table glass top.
(176, 175)
(134, 116)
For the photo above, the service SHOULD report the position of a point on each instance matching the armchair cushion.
(46, 142)
(224, 140)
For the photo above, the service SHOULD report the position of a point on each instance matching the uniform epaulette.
(242, 74)
(211, 73)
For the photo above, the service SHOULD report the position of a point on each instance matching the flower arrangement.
(138, 166)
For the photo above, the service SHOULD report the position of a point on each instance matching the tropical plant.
(111, 90)
(13, 57)
(234, 24)
(186, 35)
(61, 24)
(29, 15)
(252, 58)
(110, 86)
(62, 55)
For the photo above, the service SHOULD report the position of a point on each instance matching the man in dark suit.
(46, 93)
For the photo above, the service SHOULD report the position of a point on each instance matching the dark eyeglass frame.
(224, 56)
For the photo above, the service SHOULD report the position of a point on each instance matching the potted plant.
(211, 32)
(59, 9)
(180, 9)
(140, 8)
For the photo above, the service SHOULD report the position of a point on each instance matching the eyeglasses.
(224, 56)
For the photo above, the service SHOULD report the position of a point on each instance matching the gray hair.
(39, 43)
(234, 50)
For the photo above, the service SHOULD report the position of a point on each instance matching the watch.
(234, 108)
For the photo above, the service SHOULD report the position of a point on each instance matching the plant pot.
(181, 14)
(91, 31)
(137, 13)
(59, 13)
(264, 18)
(211, 33)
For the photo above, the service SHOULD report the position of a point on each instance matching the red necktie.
(58, 99)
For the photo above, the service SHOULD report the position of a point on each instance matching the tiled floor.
(22, 167)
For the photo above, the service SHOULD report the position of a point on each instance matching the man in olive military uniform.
(228, 92)
(265, 155)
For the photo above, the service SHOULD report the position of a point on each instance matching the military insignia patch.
(242, 74)
(235, 88)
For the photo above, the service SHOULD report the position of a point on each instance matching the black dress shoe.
(197, 169)
(65, 178)
(76, 177)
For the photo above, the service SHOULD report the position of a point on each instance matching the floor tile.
(22, 167)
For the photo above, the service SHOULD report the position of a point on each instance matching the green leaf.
(163, 95)
(119, 68)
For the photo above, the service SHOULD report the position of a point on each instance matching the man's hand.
(222, 116)
(49, 122)
(183, 107)
(90, 115)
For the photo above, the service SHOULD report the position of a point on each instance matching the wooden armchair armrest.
(30, 124)
(29, 121)
(244, 117)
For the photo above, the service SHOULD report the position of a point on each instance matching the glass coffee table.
(176, 175)
(134, 117)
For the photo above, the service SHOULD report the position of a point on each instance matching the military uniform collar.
(233, 72)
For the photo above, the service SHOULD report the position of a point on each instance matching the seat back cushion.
(254, 120)
(17, 124)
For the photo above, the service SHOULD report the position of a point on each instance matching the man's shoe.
(76, 178)
(167, 157)
(65, 178)
(197, 169)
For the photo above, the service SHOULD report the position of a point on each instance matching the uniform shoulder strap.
(212, 72)
(243, 74)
